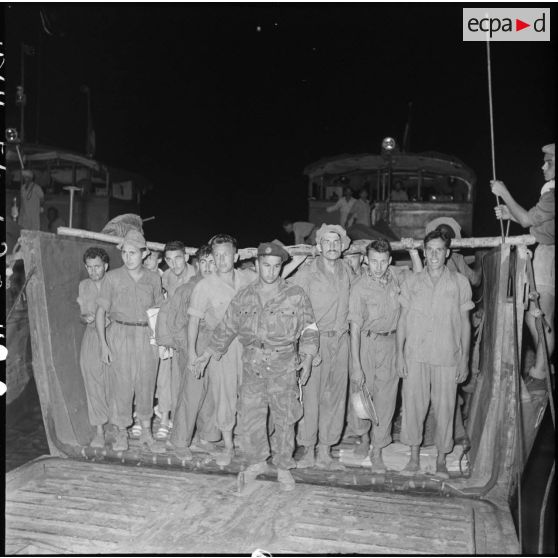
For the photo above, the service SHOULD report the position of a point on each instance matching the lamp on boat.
(11, 135)
(388, 145)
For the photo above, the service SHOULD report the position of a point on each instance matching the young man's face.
(436, 253)
(378, 263)
(269, 268)
(131, 255)
(548, 167)
(207, 265)
(224, 256)
(151, 262)
(96, 268)
(330, 245)
(176, 260)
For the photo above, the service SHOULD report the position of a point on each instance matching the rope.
(492, 142)
(518, 413)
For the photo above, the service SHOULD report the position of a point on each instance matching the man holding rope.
(540, 219)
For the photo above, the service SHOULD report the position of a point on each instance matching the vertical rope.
(491, 109)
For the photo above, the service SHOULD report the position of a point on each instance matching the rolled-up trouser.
(133, 371)
(169, 378)
(195, 409)
(95, 378)
(424, 384)
(544, 268)
(280, 395)
(377, 357)
(325, 394)
(224, 376)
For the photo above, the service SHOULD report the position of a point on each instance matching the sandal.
(136, 430)
(162, 432)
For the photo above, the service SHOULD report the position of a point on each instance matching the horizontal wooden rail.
(306, 250)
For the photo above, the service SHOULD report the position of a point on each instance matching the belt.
(273, 348)
(139, 324)
(331, 333)
(383, 333)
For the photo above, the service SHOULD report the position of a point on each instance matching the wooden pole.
(306, 250)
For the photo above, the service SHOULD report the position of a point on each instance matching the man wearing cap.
(269, 317)
(433, 339)
(456, 261)
(373, 313)
(126, 294)
(208, 304)
(326, 280)
(541, 222)
(31, 202)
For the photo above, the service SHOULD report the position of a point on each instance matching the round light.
(11, 135)
(388, 144)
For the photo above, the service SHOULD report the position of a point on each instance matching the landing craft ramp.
(136, 501)
(57, 506)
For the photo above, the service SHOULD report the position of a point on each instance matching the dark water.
(26, 440)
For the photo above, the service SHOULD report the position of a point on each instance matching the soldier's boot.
(286, 480)
(308, 459)
(247, 477)
(325, 461)
(377, 462)
(120, 440)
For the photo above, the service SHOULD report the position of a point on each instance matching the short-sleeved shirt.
(212, 295)
(127, 300)
(278, 323)
(88, 292)
(374, 306)
(328, 292)
(30, 207)
(171, 281)
(433, 326)
(543, 218)
(456, 262)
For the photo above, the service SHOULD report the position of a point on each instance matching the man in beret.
(269, 317)
(326, 280)
(541, 222)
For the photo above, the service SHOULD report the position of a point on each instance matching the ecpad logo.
(506, 24)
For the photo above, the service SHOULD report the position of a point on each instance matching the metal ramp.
(61, 506)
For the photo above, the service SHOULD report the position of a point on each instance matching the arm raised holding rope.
(511, 210)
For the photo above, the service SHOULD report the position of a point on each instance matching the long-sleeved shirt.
(277, 325)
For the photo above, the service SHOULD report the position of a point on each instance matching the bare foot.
(378, 465)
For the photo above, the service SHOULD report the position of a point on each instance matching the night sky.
(222, 106)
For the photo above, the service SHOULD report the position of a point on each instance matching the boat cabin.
(406, 190)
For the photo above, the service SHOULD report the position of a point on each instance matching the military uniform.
(374, 307)
(133, 370)
(93, 370)
(325, 393)
(268, 335)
